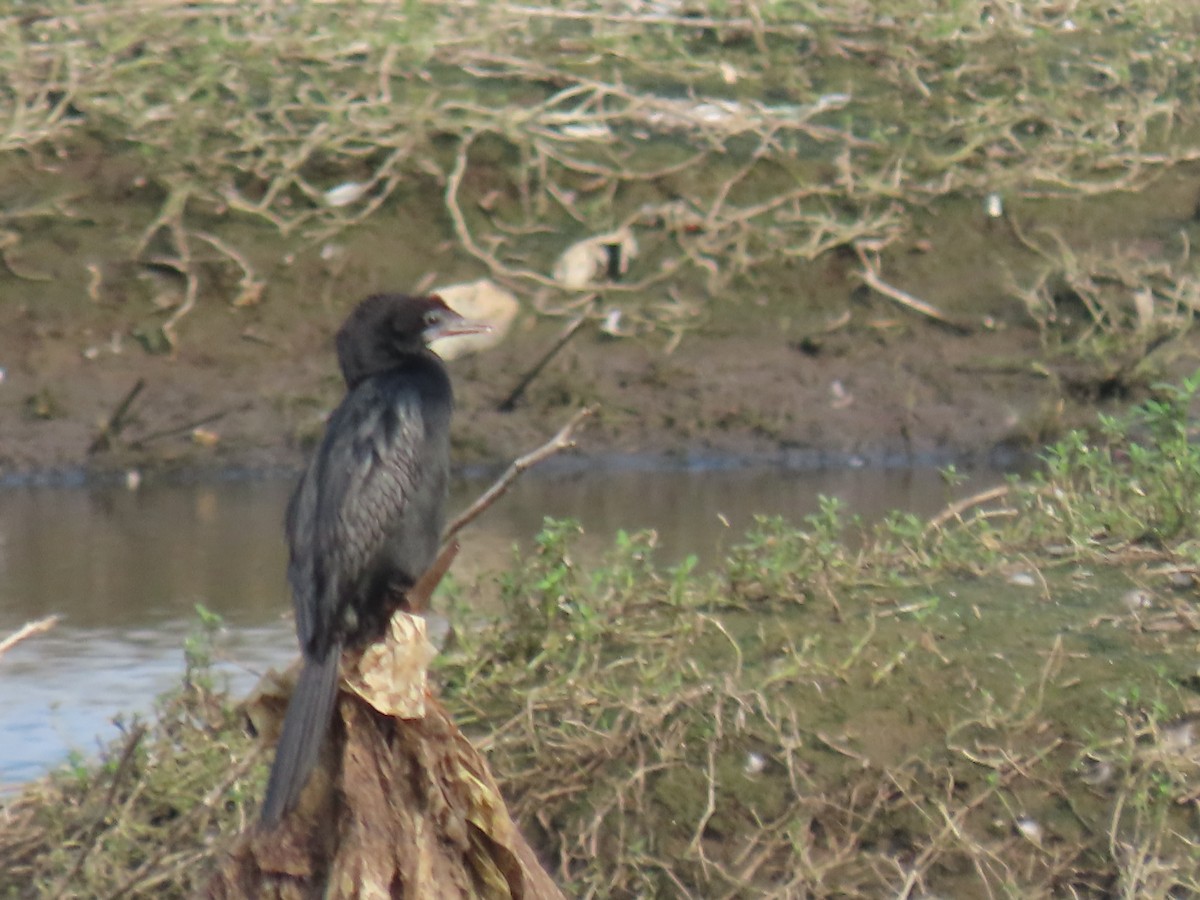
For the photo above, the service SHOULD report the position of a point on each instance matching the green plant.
(540, 592)
(781, 561)
(1138, 481)
(198, 648)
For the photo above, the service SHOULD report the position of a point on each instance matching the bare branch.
(870, 277)
(112, 428)
(957, 508)
(28, 630)
(514, 395)
(564, 440)
(418, 595)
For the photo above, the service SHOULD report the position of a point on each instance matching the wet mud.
(799, 364)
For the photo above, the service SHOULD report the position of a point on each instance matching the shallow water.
(125, 569)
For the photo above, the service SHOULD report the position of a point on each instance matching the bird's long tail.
(304, 727)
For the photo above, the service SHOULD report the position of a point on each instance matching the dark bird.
(365, 521)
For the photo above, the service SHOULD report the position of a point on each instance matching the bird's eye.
(432, 317)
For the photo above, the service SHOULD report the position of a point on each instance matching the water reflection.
(126, 569)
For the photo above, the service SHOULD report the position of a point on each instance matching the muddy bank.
(907, 392)
(812, 369)
(795, 361)
(211, 256)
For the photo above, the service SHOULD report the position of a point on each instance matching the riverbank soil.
(804, 367)
(822, 241)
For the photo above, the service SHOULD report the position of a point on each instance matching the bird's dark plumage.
(365, 521)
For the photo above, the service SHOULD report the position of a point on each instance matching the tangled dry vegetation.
(1000, 702)
(816, 722)
(1111, 308)
(718, 142)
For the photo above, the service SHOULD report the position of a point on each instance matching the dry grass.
(146, 821)
(730, 138)
(842, 738)
(1115, 306)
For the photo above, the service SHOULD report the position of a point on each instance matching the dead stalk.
(564, 440)
(26, 631)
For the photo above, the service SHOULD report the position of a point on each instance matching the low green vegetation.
(999, 702)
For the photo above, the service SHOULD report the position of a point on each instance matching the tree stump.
(400, 804)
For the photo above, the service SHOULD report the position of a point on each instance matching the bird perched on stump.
(365, 521)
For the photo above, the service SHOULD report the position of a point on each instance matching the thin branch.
(98, 829)
(189, 426)
(28, 630)
(250, 287)
(870, 277)
(509, 402)
(564, 440)
(958, 507)
(418, 595)
(112, 427)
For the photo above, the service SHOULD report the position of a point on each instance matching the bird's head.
(385, 328)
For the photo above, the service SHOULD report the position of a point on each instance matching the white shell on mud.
(993, 205)
(612, 323)
(479, 301)
(586, 261)
(840, 397)
(1030, 828)
(755, 763)
(345, 193)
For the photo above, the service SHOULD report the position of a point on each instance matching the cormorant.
(365, 520)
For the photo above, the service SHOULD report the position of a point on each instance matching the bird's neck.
(418, 359)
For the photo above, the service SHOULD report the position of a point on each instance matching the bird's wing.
(357, 487)
(300, 528)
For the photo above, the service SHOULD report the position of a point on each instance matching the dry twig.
(510, 401)
(871, 278)
(28, 630)
(112, 427)
(564, 440)
(958, 507)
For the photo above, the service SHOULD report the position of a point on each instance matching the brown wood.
(401, 807)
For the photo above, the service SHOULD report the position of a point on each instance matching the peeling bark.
(401, 804)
